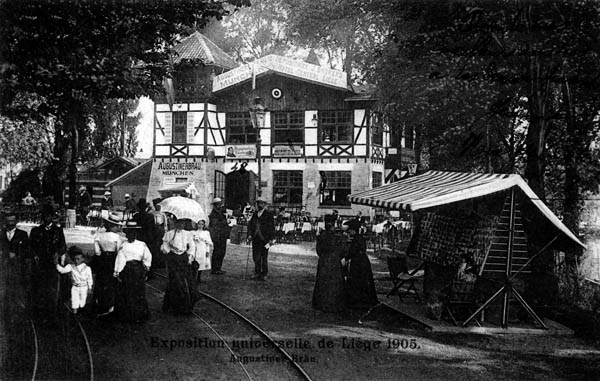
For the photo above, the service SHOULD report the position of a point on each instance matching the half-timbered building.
(321, 139)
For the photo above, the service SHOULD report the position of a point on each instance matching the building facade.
(320, 141)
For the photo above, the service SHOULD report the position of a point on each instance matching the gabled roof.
(435, 188)
(130, 172)
(102, 163)
(288, 67)
(197, 47)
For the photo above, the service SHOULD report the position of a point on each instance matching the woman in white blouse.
(106, 247)
(133, 260)
(204, 248)
(178, 245)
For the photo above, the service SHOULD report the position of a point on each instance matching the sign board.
(246, 151)
(287, 150)
(287, 66)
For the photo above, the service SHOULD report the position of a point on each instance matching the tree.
(253, 32)
(114, 130)
(523, 50)
(346, 30)
(77, 54)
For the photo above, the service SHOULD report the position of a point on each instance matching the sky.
(144, 129)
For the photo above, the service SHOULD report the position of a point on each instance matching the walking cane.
(247, 260)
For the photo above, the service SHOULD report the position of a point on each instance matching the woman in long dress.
(106, 247)
(133, 260)
(181, 294)
(203, 252)
(360, 286)
(328, 295)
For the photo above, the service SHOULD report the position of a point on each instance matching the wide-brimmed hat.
(127, 195)
(82, 187)
(217, 200)
(107, 193)
(131, 225)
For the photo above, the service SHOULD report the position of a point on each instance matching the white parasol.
(183, 207)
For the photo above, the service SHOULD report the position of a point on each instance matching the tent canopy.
(435, 188)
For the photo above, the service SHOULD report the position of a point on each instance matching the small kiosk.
(493, 221)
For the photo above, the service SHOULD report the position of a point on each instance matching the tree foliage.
(253, 32)
(75, 55)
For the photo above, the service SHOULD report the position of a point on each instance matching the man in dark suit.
(261, 230)
(13, 241)
(47, 243)
(218, 228)
(14, 246)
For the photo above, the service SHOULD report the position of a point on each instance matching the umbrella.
(183, 207)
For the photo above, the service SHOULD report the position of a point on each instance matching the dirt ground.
(383, 347)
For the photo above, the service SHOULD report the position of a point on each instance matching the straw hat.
(107, 193)
(217, 200)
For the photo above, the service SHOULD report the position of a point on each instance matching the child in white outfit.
(81, 275)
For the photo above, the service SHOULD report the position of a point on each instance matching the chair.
(460, 299)
(400, 276)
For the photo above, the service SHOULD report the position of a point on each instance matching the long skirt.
(130, 302)
(181, 294)
(360, 286)
(106, 284)
(328, 295)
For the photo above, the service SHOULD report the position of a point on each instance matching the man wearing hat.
(47, 243)
(14, 244)
(219, 232)
(130, 206)
(261, 230)
(107, 201)
(84, 200)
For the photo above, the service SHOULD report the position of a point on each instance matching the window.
(377, 130)
(287, 188)
(239, 128)
(179, 127)
(335, 187)
(288, 127)
(219, 185)
(336, 126)
(377, 177)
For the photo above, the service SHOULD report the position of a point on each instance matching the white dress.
(204, 248)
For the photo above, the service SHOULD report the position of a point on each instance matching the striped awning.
(434, 188)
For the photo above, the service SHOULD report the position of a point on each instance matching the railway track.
(259, 356)
(38, 350)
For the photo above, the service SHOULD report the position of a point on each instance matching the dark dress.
(328, 295)
(106, 284)
(219, 232)
(130, 302)
(360, 286)
(181, 294)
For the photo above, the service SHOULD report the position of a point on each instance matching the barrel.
(71, 218)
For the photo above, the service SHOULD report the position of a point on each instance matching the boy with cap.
(81, 276)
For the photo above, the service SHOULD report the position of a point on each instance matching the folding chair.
(400, 276)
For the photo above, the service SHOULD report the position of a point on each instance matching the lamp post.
(257, 116)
